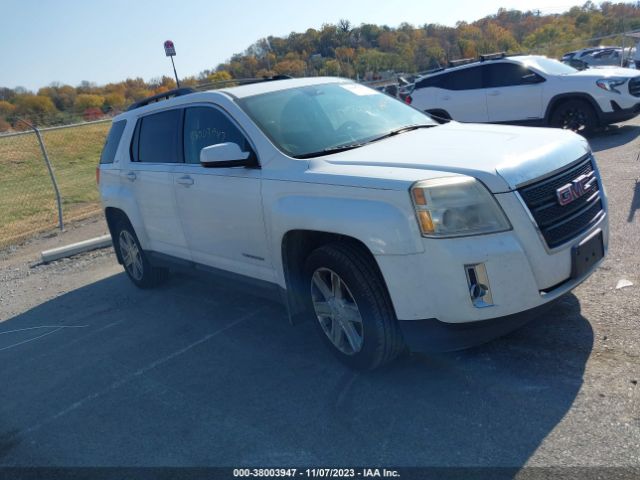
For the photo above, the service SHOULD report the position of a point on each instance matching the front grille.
(634, 86)
(559, 223)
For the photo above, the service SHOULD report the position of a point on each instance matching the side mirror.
(532, 78)
(224, 155)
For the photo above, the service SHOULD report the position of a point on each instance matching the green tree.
(85, 101)
(114, 102)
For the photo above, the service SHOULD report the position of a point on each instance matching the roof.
(243, 91)
(474, 63)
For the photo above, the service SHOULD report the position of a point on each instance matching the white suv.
(360, 212)
(530, 90)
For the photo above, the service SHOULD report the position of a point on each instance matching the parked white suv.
(530, 90)
(361, 212)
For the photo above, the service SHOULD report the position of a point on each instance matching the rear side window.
(434, 81)
(112, 142)
(158, 138)
(465, 79)
(205, 126)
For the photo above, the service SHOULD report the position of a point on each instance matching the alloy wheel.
(574, 119)
(131, 256)
(337, 311)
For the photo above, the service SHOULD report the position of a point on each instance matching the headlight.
(455, 207)
(610, 84)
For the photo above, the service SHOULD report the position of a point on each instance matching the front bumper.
(523, 273)
(619, 114)
(432, 335)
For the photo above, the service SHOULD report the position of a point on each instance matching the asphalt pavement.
(95, 372)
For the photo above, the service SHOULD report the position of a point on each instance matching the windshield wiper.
(351, 146)
(400, 130)
(336, 149)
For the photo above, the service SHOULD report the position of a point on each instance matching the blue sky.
(109, 40)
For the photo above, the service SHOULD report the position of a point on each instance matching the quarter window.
(158, 138)
(205, 126)
(113, 139)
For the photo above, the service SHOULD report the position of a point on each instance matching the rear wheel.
(353, 311)
(576, 115)
(134, 260)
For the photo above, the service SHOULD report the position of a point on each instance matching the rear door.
(221, 208)
(514, 93)
(461, 95)
(155, 152)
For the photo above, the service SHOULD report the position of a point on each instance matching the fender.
(382, 227)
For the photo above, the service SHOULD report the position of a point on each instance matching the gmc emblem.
(577, 188)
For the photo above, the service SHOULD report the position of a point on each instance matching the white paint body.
(235, 219)
(526, 102)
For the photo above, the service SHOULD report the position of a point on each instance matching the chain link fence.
(28, 201)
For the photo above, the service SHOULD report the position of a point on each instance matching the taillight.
(98, 175)
(408, 99)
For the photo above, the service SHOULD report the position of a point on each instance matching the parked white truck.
(386, 228)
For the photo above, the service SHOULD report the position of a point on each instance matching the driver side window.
(205, 126)
(504, 75)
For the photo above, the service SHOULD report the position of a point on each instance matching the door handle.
(446, 97)
(186, 180)
(494, 93)
(131, 176)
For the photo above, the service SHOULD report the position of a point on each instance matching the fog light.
(478, 283)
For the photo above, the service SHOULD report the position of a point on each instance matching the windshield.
(314, 120)
(552, 67)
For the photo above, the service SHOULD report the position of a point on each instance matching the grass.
(27, 198)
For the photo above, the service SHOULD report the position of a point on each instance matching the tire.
(360, 291)
(576, 115)
(134, 260)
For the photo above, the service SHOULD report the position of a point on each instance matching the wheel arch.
(563, 97)
(296, 246)
(114, 216)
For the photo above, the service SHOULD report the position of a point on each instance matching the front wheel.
(134, 260)
(576, 115)
(352, 308)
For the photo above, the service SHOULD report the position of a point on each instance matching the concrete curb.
(75, 248)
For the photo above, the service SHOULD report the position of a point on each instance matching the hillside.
(343, 49)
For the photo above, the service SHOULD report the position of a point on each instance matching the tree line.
(364, 52)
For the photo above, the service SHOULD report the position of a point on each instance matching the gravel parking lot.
(97, 372)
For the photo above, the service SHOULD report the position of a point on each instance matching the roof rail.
(492, 56)
(462, 61)
(433, 70)
(177, 92)
(240, 81)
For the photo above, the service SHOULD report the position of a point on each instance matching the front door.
(514, 93)
(221, 208)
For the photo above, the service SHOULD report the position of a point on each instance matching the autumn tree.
(114, 102)
(85, 101)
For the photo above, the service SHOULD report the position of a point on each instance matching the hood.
(606, 72)
(501, 157)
